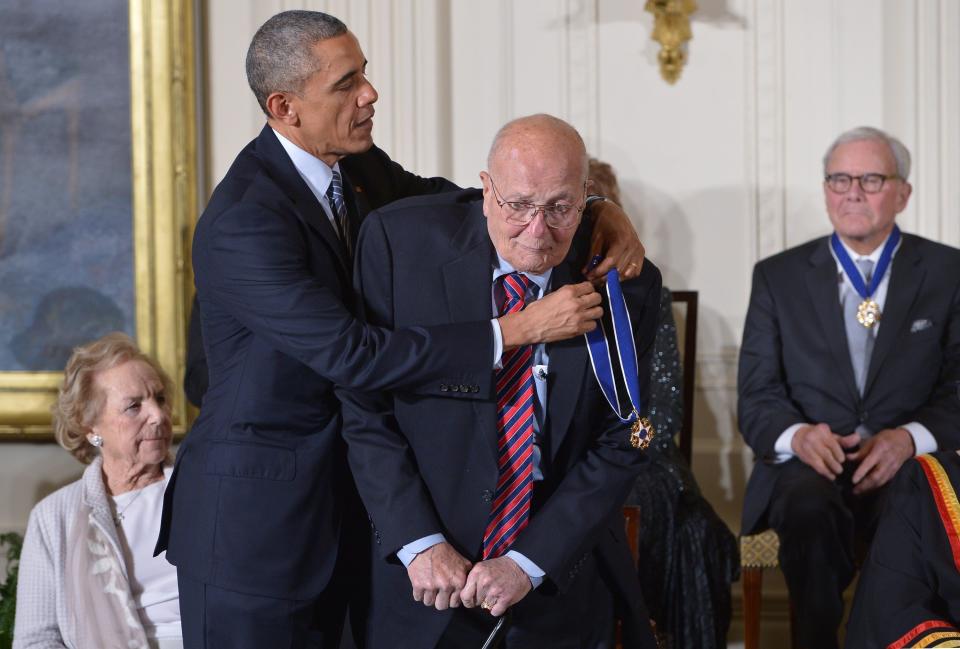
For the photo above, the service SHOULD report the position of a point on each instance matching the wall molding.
(765, 145)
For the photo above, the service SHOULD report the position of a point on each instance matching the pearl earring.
(96, 440)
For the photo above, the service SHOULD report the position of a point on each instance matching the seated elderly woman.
(88, 577)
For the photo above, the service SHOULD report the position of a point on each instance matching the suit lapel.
(308, 208)
(568, 361)
(822, 287)
(466, 283)
(906, 279)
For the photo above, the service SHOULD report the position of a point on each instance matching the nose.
(158, 414)
(538, 224)
(368, 94)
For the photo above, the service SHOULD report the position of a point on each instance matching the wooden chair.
(687, 340)
(758, 552)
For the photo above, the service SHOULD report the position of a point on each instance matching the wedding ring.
(488, 605)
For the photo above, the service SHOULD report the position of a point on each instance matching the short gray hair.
(899, 151)
(280, 57)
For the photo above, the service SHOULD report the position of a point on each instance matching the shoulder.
(792, 258)
(250, 183)
(58, 507)
(443, 212)
(372, 160)
(650, 280)
(643, 293)
(933, 252)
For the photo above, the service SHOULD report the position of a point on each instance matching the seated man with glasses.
(848, 367)
(482, 501)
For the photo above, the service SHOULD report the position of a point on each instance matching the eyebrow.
(349, 74)
(141, 397)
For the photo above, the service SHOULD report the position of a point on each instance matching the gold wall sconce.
(671, 28)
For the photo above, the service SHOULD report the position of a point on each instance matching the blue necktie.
(335, 197)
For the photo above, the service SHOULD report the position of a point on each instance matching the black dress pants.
(823, 527)
(215, 618)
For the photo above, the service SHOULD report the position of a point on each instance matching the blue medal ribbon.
(599, 350)
(853, 273)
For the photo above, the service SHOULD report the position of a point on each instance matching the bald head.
(537, 138)
(539, 162)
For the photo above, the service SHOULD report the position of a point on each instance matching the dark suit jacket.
(425, 464)
(254, 504)
(795, 365)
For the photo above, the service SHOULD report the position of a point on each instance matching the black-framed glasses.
(558, 216)
(840, 183)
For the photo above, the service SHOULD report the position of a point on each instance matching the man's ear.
(488, 197)
(281, 107)
(903, 195)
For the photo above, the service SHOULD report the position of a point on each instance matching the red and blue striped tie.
(515, 392)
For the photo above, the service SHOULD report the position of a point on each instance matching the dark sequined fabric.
(688, 556)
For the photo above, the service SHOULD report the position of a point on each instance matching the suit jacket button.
(487, 496)
(454, 388)
(475, 388)
(863, 416)
(464, 388)
(444, 387)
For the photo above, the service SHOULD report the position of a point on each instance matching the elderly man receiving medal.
(850, 357)
(483, 502)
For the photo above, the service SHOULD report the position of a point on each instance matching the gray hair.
(538, 121)
(280, 57)
(899, 151)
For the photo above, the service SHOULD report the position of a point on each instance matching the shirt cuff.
(784, 444)
(923, 440)
(497, 345)
(533, 570)
(409, 552)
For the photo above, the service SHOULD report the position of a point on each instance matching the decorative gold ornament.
(868, 313)
(671, 28)
(641, 433)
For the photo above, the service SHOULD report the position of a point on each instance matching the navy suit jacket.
(426, 464)
(256, 498)
(795, 365)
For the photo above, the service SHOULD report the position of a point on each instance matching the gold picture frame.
(164, 199)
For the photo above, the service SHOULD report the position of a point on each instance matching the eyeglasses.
(869, 183)
(558, 216)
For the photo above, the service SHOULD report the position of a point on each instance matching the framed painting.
(98, 189)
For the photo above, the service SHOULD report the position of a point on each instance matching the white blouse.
(153, 581)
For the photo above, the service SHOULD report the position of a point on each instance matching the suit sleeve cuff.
(923, 440)
(497, 345)
(533, 570)
(784, 444)
(409, 552)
